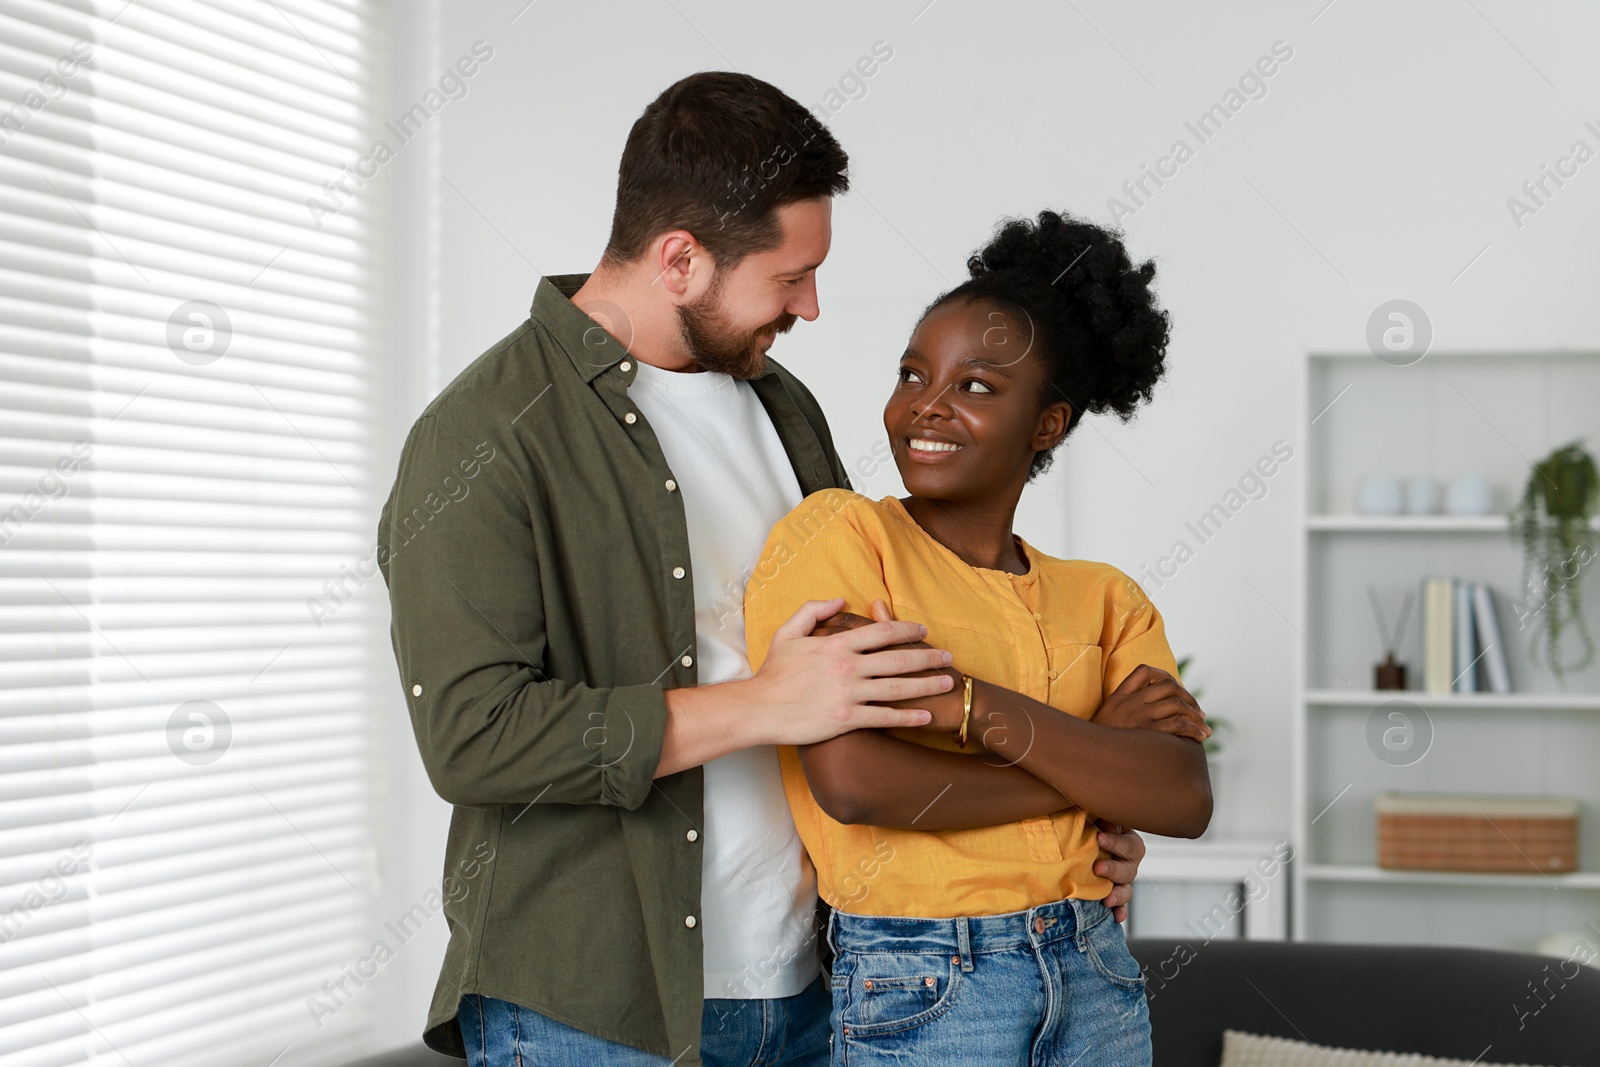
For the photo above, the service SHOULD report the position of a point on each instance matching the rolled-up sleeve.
(469, 634)
(1134, 632)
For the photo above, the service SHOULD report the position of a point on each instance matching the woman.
(968, 925)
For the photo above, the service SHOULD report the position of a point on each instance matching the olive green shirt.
(537, 559)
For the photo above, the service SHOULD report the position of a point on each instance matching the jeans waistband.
(964, 935)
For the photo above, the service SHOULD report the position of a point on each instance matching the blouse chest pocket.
(1076, 677)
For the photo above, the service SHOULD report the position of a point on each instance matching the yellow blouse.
(1065, 633)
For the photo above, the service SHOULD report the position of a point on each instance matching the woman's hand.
(840, 621)
(1150, 698)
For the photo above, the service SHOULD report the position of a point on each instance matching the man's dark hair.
(717, 154)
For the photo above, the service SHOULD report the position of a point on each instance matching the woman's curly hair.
(1092, 313)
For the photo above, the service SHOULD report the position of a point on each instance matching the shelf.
(1366, 698)
(1522, 356)
(1341, 872)
(1431, 524)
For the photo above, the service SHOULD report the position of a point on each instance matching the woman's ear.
(1053, 421)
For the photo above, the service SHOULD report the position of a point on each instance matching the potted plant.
(1215, 746)
(1552, 522)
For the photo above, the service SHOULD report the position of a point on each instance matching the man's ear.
(684, 266)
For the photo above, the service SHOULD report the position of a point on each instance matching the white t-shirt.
(759, 891)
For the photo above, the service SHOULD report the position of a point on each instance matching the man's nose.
(804, 303)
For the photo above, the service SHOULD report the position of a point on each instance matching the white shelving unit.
(1492, 413)
(1412, 523)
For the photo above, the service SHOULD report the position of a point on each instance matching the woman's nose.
(935, 408)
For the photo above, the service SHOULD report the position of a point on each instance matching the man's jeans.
(783, 1032)
(1051, 986)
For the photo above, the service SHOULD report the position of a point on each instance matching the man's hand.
(1150, 698)
(946, 708)
(812, 688)
(1127, 850)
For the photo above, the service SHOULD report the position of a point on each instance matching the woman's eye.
(982, 387)
(907, 374)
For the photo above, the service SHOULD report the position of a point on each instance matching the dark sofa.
(1497, 1007)
(1505, 1007)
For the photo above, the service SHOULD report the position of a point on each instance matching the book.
(1463, 664)
(1436, 638)
(1496, 675)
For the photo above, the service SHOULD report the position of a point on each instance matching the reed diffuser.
(1391, 673)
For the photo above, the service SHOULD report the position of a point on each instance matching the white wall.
(1377, 165)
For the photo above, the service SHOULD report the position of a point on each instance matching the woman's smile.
(930, 449)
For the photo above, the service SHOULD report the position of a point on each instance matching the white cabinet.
(1200, 890)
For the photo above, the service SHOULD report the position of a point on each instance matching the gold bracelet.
(966, 710)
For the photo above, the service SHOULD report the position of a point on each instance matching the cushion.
(1240, 1049)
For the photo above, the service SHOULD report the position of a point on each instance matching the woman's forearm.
(1143, 778)
(1146, 779)
(868, 776)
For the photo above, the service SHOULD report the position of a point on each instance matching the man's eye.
(794, 281)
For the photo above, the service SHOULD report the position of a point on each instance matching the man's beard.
(716, 345)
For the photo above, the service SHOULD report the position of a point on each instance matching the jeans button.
(1038, 925)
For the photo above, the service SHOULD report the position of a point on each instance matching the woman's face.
(969, 412)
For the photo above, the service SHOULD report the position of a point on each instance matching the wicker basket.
(1452, 832)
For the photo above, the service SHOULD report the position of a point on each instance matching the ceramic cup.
(1379, 494)
(1469, 494)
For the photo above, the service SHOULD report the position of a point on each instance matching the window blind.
(185, 491)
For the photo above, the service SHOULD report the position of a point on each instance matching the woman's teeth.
(923, 445)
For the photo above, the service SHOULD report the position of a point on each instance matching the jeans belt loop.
(963, 943)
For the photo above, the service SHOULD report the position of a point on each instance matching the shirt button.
(671, 485)
(624, 366)
(1037, 615)
(677, 572)
(630, 418)
(693, 835)
(416, 690)
(687, 661)
(688, 920)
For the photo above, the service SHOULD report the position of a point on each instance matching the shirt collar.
(591, 348)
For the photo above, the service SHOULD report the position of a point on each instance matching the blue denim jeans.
(1050, 986)
(781, 1032)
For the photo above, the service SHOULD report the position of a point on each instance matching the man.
(566, 547)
